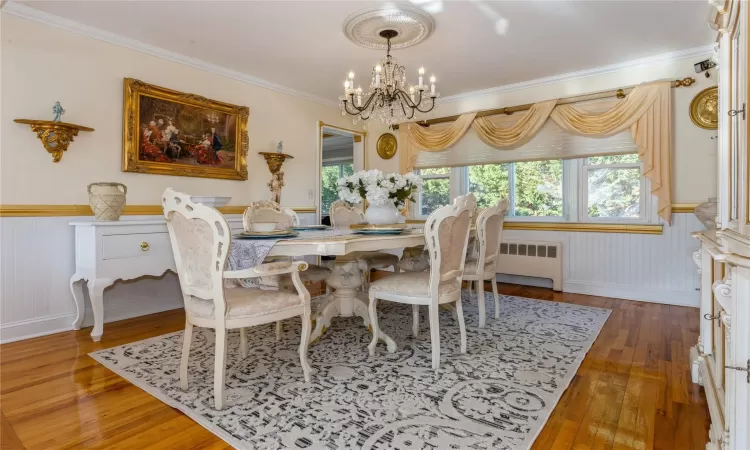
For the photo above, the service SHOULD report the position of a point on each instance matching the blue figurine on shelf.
(58, 111)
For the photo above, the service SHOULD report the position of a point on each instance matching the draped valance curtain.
(646, 111)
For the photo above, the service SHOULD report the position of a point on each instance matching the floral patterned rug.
(498, 395)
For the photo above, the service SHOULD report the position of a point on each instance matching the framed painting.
(167, 132)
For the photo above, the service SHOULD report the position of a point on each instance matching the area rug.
(498, 395)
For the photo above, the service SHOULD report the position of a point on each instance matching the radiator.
(539, 259)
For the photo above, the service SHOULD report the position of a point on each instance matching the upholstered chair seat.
(244, 302)
(470, 269)
(416, 284)
(447, 235)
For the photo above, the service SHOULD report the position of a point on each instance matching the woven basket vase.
(107, 200)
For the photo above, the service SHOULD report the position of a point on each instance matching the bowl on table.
(263, 226)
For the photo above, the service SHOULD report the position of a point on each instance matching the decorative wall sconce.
(54, 134)
(275, 160)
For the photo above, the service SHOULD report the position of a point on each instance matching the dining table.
(346, 279)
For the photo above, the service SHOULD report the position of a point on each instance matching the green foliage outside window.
(489, 183)
(329, 178)
(538, 188)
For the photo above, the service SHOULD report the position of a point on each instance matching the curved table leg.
(96, 293)
(323, 318)
(76, 288)
(360, 309)
(346, 278)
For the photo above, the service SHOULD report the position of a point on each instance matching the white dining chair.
(447, 235)
(270, 211)
(343, 215)
(483, 267)
(201, 238)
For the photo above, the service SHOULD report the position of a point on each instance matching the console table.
(120, 250)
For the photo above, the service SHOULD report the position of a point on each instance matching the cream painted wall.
(43, 64)
(694, 151)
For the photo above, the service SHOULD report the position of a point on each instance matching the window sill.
(577, 227)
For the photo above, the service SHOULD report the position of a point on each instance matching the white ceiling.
(476, 44)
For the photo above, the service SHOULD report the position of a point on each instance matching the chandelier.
(388, 97)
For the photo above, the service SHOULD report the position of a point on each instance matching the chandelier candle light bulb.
(432, 85)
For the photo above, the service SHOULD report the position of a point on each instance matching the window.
(538, 189)
(612, 187)
(601, 188)
(533, 189)
(435, 191)
(329, 177)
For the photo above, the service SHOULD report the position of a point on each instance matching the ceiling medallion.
(387, 96)
(412, 26)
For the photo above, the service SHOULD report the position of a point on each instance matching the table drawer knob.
(145, 247)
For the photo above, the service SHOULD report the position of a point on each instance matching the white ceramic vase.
(382, 214)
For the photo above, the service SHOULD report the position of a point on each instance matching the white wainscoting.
(654, 268)
(36, 262)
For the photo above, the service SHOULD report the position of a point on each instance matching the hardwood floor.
(633, 390)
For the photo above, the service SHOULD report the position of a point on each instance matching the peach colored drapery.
(647, 111)
(517, 134)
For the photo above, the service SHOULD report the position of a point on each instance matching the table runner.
(249, 253)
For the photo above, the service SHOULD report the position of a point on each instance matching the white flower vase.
(382, 214)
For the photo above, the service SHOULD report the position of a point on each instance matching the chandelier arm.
(354, 105)
(405, 98)
(428, 110)
(346, 109)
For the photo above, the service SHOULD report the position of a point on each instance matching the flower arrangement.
(379, 188)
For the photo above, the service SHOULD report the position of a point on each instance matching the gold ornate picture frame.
(167, 132)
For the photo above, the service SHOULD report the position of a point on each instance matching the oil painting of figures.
(183, 134)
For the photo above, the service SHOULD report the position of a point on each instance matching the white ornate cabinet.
(721, 358)
(119, 250)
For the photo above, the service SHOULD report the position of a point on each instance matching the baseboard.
(43, 326)
(39, 326)
(630, 293)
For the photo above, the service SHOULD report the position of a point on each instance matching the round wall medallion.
(387, 146)
(704, 109)
(413, 26)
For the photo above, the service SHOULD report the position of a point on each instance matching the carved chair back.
(200, 238)
(269, 211)
(447, 235)
(489, 234)
(343, 214)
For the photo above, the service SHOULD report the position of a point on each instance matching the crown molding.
(95, 33)
(36, 15)
(602, 70)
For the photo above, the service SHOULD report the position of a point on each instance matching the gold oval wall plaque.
(704, 109)
(387, 145)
